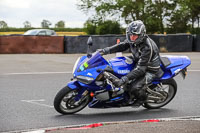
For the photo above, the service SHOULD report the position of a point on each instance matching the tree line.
(44, 24)
(159, 16)
(59, 27)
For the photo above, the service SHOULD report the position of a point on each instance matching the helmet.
(135, 32)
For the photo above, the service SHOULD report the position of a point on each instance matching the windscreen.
(94, 61)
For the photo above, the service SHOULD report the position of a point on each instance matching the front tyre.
(169, 89)
(65, 102)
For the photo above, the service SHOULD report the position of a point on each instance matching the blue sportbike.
(92, 83)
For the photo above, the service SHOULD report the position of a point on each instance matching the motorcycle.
(93, 77)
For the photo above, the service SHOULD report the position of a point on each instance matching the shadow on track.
(118, 116)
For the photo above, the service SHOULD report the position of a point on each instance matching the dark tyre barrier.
(196, 43)
(78, 44)
(75, 44)
(31, 44)
(161, 41)
(166, 43)
(173, 43)
(179, 43)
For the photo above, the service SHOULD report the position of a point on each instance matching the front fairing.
(88, 66)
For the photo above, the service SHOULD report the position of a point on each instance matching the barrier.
(78, 44)
(166, 43)
(161, 41)
(179, 43)
(174, 42)
(31, 44)
(196, 43)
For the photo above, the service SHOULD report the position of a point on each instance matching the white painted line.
(40, 100)
(37, 131)
(196, 119)
(37, 102)
(193, 70)
(35, 73)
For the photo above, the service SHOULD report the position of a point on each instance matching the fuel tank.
(122, 65)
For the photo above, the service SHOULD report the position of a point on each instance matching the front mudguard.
(74, 85)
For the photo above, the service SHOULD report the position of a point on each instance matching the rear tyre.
(65, 102)
(169, 88)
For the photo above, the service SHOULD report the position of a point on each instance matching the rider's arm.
(117, 48)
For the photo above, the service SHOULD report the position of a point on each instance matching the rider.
(146, 55)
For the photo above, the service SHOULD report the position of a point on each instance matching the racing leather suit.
(147, 58)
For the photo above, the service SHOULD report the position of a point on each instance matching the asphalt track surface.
(29, 83)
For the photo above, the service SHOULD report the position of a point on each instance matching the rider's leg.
(138, 88)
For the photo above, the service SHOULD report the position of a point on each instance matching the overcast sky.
(16, 12)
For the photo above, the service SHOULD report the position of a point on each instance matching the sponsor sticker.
(85, 64)
(81, 68)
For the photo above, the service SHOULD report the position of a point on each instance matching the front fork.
(82, 92)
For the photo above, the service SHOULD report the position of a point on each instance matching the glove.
(104, 51)
(120, 82)
(100, 51)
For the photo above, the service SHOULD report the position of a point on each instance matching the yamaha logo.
(123, 71)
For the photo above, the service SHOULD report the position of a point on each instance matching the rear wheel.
(168, 91)
(65, 102)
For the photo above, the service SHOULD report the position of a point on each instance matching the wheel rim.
(68, 103)
(169, 90)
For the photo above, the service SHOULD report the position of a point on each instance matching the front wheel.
(168, 91)
(65, 102)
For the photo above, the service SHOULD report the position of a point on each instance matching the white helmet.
(135, 32)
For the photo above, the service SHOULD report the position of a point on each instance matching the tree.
(193, 7)
(108, 27)
(27, 24)
(178, 22)
(3, 24)
(101, 27)
(152, 13)
(157, 15)
(127, 9)
(90, 27)
(60, 24)
(179, 18)
(45, 23)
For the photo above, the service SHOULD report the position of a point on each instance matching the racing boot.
(137, 103)
(141, 98)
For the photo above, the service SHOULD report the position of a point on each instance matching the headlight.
(84, 79)
(75, 65)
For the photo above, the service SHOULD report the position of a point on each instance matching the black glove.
(120, 82)
(104, 51)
